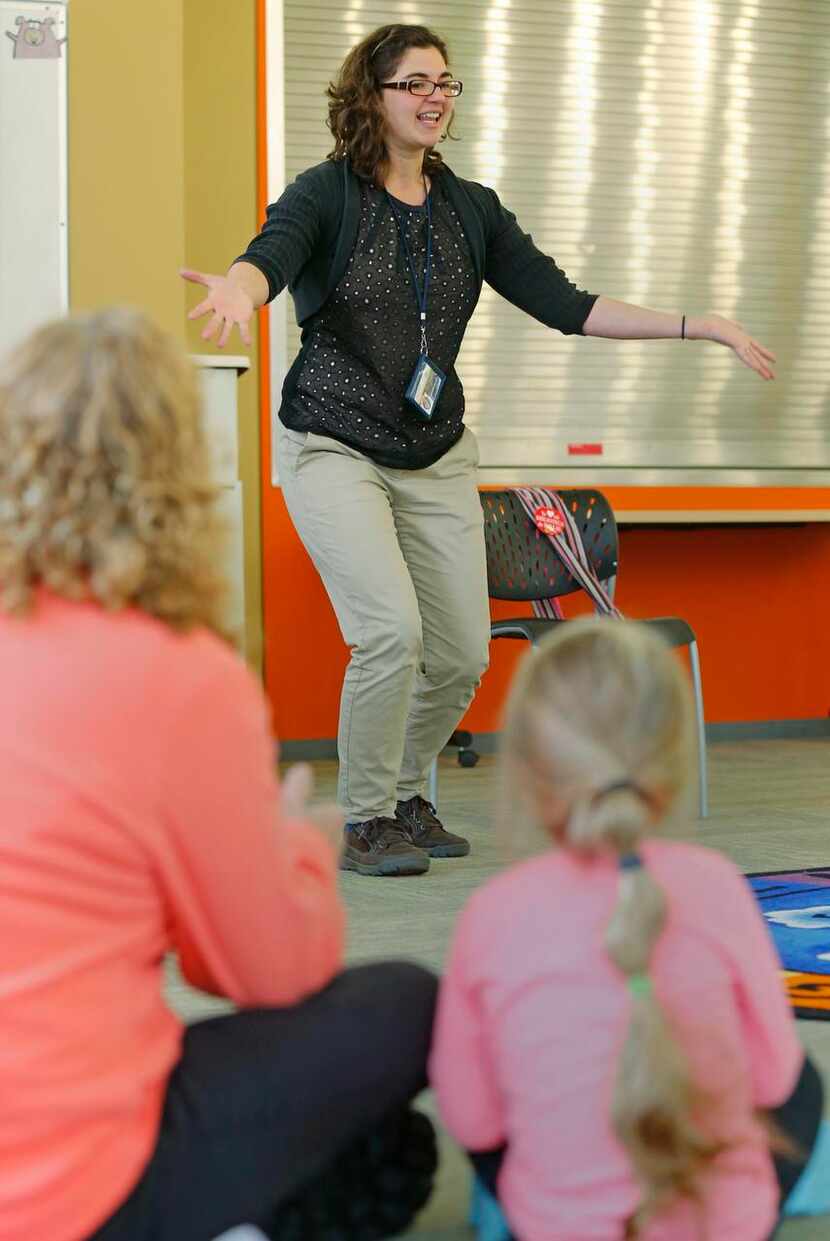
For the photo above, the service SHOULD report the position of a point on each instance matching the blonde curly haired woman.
(139, 814)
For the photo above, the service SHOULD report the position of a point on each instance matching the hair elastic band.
(630, 861)
(639, 984)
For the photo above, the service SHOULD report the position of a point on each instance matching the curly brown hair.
(356, 117)
(105, 488)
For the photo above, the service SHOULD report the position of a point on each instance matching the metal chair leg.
(432, 785)
(701, 731)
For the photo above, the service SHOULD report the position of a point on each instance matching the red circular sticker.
(549, 520)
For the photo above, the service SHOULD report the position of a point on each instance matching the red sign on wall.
(584, 450)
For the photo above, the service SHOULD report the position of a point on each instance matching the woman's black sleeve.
(531, 280)
(288, 237)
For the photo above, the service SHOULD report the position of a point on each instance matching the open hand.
(229, 306)
(296, 789)
(725, 332)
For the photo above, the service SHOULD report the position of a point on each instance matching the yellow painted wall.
(126, 134)
(162, 174)
(221, 216)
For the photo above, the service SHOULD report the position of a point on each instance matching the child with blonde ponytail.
(612, 1020)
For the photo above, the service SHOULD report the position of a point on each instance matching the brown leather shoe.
(381, 846)
(423, 827)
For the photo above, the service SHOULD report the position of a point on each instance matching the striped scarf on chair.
(550, 515)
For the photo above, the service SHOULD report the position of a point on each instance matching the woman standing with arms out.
(384, 251)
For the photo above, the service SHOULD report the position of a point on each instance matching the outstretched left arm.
(622, 321)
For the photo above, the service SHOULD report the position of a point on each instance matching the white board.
(34, 284)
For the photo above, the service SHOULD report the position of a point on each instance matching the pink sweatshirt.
(531, 1021)
(138, 814)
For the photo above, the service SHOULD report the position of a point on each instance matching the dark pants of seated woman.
(798, 1119)
(295, 1120)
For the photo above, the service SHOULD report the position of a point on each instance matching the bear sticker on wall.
(35, 40)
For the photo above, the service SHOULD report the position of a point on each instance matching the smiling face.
(416, 122)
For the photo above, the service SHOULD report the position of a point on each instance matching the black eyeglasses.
(450, 89)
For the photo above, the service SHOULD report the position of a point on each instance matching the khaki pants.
(401, 554)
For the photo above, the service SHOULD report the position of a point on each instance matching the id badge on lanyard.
(424, 388)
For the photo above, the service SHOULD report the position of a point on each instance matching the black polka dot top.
(361, 349)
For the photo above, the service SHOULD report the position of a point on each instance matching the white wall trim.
(275, 120)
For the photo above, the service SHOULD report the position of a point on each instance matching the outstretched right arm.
(278, 254)
(230, 300)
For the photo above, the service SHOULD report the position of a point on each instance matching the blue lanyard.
(421, 295)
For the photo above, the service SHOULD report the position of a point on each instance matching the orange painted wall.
(757, 596)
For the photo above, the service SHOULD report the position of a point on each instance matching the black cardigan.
(310, 232)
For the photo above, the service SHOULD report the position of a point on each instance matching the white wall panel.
(668, 152)
(33, 160)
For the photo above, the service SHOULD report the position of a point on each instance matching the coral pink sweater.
(139, 814)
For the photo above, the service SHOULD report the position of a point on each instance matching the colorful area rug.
(796, 907)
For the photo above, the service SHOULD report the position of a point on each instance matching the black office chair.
(522, 564)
